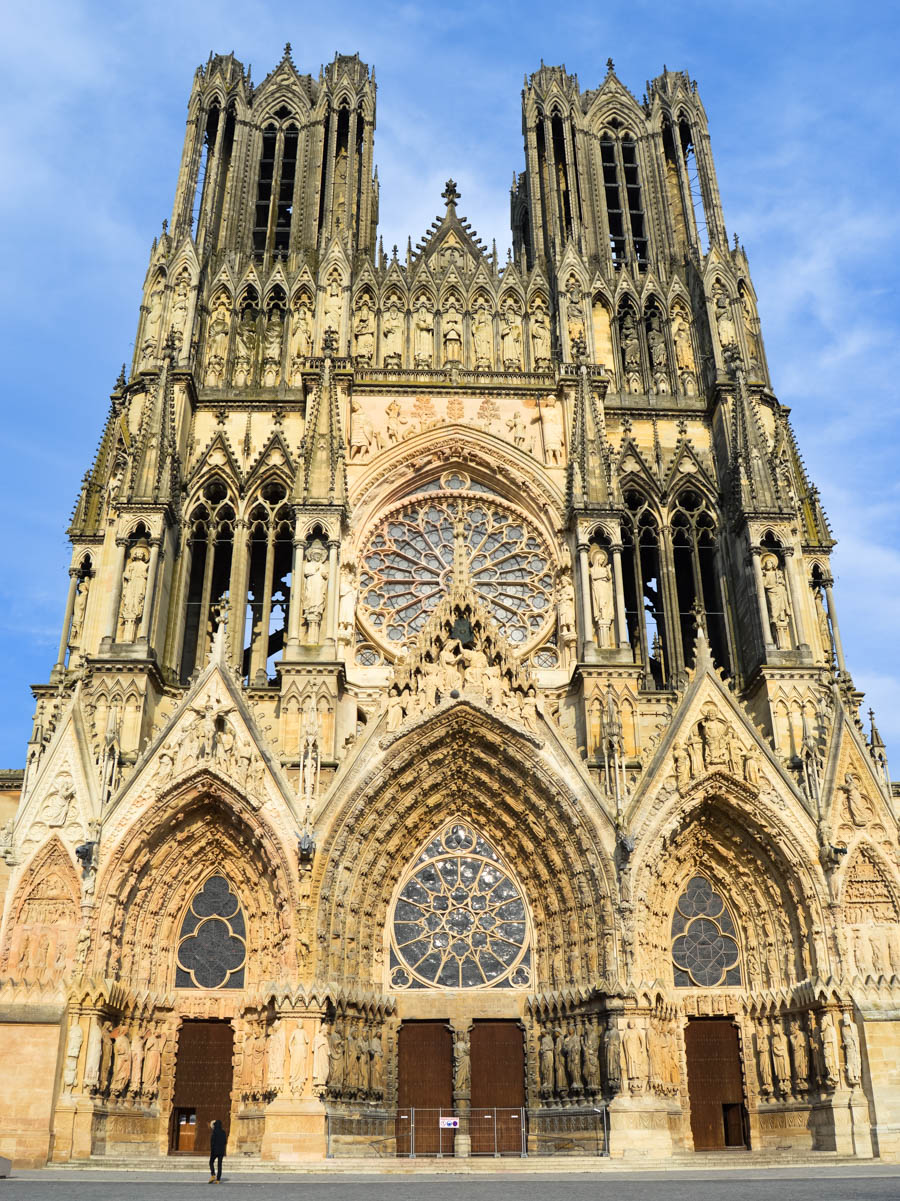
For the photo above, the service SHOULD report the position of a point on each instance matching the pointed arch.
(469, 763)
(43, 920)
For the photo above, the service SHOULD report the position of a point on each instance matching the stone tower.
(450, 708)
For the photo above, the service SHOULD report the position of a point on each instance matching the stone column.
(150, 593)
(589, 641)
(756, 554)
(295, 607)
(237, 594)
(115, 594)
(835, 631)
(331, 601)
(260, 651)
(797, 599)
(67, 619)
(621, 621)
(461, 1031)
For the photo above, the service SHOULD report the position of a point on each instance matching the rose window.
(704, 947)
(212, 948)
(407, 565)
(460, 920)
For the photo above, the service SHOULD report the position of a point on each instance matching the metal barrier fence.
(414, 1132)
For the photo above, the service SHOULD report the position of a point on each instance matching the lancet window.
(644, 603)
(705, 951)
(208, 557)
(624, 201)
(697, 580)
(212, 942)
(460, 919)
(270, 550)
(275, 185)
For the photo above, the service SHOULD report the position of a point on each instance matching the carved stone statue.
(301, 341)
(73, 1050)
(800, 1052)
(781, 1067)
(483, 336)
(152, 1065)
(245, 348)
(830, 1052)
(857, 808)
(392, 335)
(272, 344)
(602, 602)
(777, 603)
(423, 334)
(511, 338)
(574, 314)
(364, 331)
(613, 1056)
(335, 1060)
(552, 433)
(852, 1060)
(566, 609)
(134, 591)
(591, 1055)
(217, 341)
(93, 1056)
(315, 587)
(462, 1071)
(724, 322)
(179, 313)
(572, 1050)
(714, 732)
(451, 329)
(151, 324)
(298, 1049)
(635, 1049)
(137, 1063)
(334, 307)
(320, 1057)
(121, 1077)
(684, 352)
(631, 352)
(540, 338)
(659, 358)
(546, 1061)
(347, 603)
(560, 1079)
(276, 1052)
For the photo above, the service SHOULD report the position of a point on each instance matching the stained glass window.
(704, 941)
(407, 564)
(460, 920)
(212, 947)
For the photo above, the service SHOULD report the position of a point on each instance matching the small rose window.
(705, 951)
(212, 947)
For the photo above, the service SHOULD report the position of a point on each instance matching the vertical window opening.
(198, 545)
(286, 191)
(268, 593)
(562, 175)
(209, 145)
(644, 613)
(224, 174)
(614, 214)
(264, 190)
(358, 187)
(326, 139)
(697, 580)
(692, 171)
(341, 168)
(635, 204)
(673, 184)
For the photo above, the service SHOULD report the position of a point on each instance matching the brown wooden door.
(424, 1085)
(498, 1088)
(715, 1083)
(203, 1080)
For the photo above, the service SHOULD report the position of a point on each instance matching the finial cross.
(450, 195)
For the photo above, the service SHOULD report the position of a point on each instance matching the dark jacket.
(217, 1139)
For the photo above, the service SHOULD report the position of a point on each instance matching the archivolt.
(462, 762)
(761, 873)
(161, 863)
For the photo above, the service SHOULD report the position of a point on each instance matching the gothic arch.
(202, 827)
(43, 919)
(869, 891)
(465, 762)
(760, 868)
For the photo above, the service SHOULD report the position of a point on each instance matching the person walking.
(217, 1140)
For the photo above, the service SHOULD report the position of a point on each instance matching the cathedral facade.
(450, 747)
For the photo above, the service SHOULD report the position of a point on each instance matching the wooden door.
(715, 1084)
(424, 1088)
(203, 1080)
(498, 1088)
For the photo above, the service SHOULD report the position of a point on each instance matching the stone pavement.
(868, 1182)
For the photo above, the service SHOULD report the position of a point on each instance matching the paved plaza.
(852, 1183)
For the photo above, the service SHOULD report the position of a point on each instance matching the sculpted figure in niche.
(134, 589)
(684, 352)
(137, 1063)
(362, 433)
(152, 1065)
(518, 430)
(347, 603)
(631, 352)
(559, 1063)
(777, 603)
(59, 800)
(334, 306)
(452, 334)
(462, 1073)
(591, 1049)
(93, 1057)
(659, 358)
(301, 340)
(574, 314)
(272, 348)
(830, 1053)
(602, 603)
(276, 1051)
(180, 308)
(483, 336)
(800, 1051)
(752, 338)
(714, 732)
(376, 1064)
(364, 331)
(392, 335)
(298, 1050)
(73, 1050)
(546, 1061)
(511, 337)
(335, 1060)
(315, 587)
(857, 806)
(154, 316)
(780, 1065)
(852, 1061)
(724, 323)
(540, 338)
(635, 1049)
(572, 1049)
(552, 433)
(245, 348)
(566, 609)
(217, 341)
(423, 334)
(121, 1064)
(613, 1056)
(320, 1057)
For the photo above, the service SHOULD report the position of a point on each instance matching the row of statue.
(713, 745)
(790, 1063)
(211, 738)
(875, 951)
(119, 1062)
(356, 1060)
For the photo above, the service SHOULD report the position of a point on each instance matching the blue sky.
(802, 100)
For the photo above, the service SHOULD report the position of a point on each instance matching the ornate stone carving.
(134, 592)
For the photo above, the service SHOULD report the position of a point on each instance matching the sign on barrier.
(449, 1123)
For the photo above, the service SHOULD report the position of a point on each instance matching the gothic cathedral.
(450, 748)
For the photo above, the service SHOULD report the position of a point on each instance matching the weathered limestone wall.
(26, 1092)
(882, 1054)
